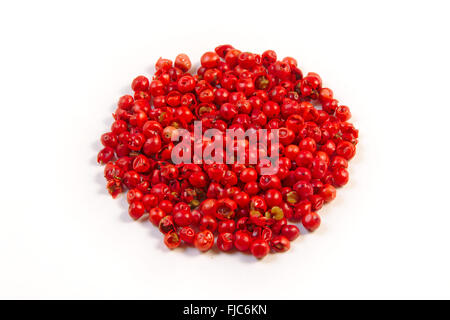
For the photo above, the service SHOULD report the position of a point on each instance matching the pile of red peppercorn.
(196, 203)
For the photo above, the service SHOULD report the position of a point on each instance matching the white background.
(65, 63)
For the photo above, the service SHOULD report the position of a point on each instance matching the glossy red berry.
(328, 192)
(346, 150)
(185, 84)
(182, 218)
(166, 224)
(210, 60)
(311, 221)
(208, 223)
(291, 232)
(242, 240)
(141, 163)
(134, 195)
(343, 113)
(172, 240)
(152, 145)
(340, 177)
(225, 241)
(150, 201)
(248, 175)
(198, 179)
(183, 62)
(226, 209)
(273, 197)
(187, 234)
(105, 155)
(114, 187)
(242, 199)
(125, 102)
(109, 139)
(259, 248)
(280, 244)
(204, 240)
(155, 216)
(166, 206)
(209, 207)
(136, 209)
(140, 83)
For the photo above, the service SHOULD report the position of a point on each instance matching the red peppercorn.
(346, 150)
(343, 113)
(182, 218)
(210, 60)
(226, 209)
(338, 163)
(204, 240)
(183, 62)
(136, 209)
(242, 199)
(225, 241)
(109, 140)
(328, 192)
(291, 232)
(150, 201)
(304, 158)
(105, 155)
(259, 248)
(209, 207)
(311, 221)
(251, 188)
(134, 195)
(141, 163)
(166, 224)
(114, 187)
(273, 197)
(166, 206)
(248, 175)
(208, 223)
(308, 144)
(155, 216)
(172, 240)
(280, 244)
(242, 240)
(163, 64)
(125, 102)
(316, 202)
(140, 83)
(199, 179)
(187, 234)
(152, 145)
(340, 177)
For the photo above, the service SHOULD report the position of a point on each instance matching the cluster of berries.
(196, 203)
